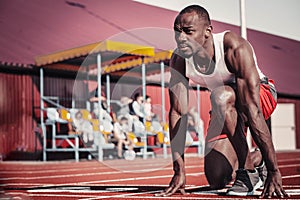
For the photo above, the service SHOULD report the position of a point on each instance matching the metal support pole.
(144, 97)
(88, 104)
(243, 18)
(108, 92)
(76, 149)
(100, 154)
(163, 103)
(244, 35)
(99, 73)
(42, 114)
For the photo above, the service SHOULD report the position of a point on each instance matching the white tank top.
(220, 76)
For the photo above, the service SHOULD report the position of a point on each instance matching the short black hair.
(136, 96)
(201, 12)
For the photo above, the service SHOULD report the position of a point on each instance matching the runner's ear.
(208, 31)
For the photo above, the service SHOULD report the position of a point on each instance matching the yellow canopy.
(106, 46)
(159, 56)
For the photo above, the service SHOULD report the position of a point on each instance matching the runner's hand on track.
(273, 186)
(177, 184)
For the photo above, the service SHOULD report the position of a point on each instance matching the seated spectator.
(84, 128)
(148, 109)
(136, 108)
(103, 111)
(124, 106)
(105, 115)
(120, 134)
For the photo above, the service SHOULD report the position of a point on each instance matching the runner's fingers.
(163, 192)
(267, 192)
(169, 189)
(271, 192)
(183, 192)
(159, 194)
(264, 193)
(284, 193)
(175, 188)
(278, 193)
(281, 193)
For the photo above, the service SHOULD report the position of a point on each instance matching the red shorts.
(268, 103)
(268, 99)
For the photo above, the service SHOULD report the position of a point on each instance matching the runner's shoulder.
(233, 41)
(177, 61)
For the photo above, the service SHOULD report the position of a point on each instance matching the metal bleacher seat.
(86, 114)
(102, 138)
(53, 117)
(66, 116)
(102, 131)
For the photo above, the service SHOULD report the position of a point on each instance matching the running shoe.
(245, 183)
(263, 172)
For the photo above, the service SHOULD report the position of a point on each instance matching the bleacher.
(60, 138)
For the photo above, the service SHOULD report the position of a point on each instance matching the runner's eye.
(188, 31)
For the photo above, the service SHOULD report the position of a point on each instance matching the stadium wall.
(20, 108)
(16, 113)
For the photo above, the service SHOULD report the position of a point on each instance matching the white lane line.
(109, 180)
(103, 166)
(292, 186)
(64, 184)
(293, 191)
(288, 159)
(91, 174)
(123, 195)
(62, 195)
(291, 176)
(80, 191)
(51, 191)
(48, 171)
(131, 196)
(10, 184)
(138, 193)
(138, 178)
(291, 165)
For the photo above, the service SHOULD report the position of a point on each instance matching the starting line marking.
(138, 178)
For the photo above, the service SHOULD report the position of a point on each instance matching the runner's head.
(192, 27)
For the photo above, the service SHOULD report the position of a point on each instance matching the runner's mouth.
(183, 47)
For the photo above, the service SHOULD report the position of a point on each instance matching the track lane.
(94, 180)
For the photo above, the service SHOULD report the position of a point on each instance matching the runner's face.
(189, 34)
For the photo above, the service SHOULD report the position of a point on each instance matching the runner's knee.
(218, 170)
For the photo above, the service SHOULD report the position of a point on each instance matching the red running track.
(121, 179)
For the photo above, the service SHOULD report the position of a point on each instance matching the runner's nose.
(182, 37)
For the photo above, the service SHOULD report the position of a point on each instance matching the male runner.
(241, 95)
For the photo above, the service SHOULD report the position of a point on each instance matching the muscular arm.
(239, 58)
(178, 92)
